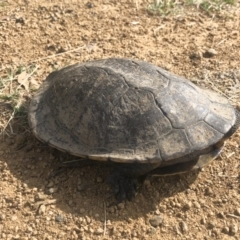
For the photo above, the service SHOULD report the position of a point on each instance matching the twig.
(221, 42)
(233, 176)
(104, 228)
(231, 215)
(11, 129)
(8, 122)
(228, 156)
(58, 54)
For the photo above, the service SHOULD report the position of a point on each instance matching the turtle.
(130, 113)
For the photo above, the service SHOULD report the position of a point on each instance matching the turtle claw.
(122, 187)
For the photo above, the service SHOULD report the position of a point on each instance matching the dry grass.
(225, 83)
(15, 87)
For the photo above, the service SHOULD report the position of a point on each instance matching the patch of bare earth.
(46, 35)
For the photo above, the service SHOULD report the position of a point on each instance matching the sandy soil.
(47, 35)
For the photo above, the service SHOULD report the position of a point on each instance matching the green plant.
(163, 7)
(210, 5)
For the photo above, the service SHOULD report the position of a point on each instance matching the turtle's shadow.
(83, 191)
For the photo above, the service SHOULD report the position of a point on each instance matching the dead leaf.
(34, 84)
(23, 80)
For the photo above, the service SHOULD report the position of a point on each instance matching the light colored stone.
(52, 190)
(156, 221)
(184, 227)
(42, 209)
(99, 231)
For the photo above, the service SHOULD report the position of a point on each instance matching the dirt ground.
(45, 35)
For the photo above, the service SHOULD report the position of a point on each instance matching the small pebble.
(197, 205)
(121, 205)
(42, 209)
(225, 230)
(178, 205)
(233, 229)
(135, 238)
(176, 228)
(211, 225)
(208, 191)
(156, 221)
(88, 220)
(187, 206)
(184, 227)
(157, 212)
(50, 184)
(215, 232)
(203, 221)
(162, 208)
(221, 215)
(52, 190)
(89, 5)
(40, 197)
(210, 53)
(90, 229)
(134, 234)
(2, 216)
(151, 230)
(195, 56)
(99, 231)
(210, 213)
(59, 218)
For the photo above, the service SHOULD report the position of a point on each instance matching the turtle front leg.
(126, 178)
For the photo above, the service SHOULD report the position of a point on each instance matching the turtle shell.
(128, 111)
